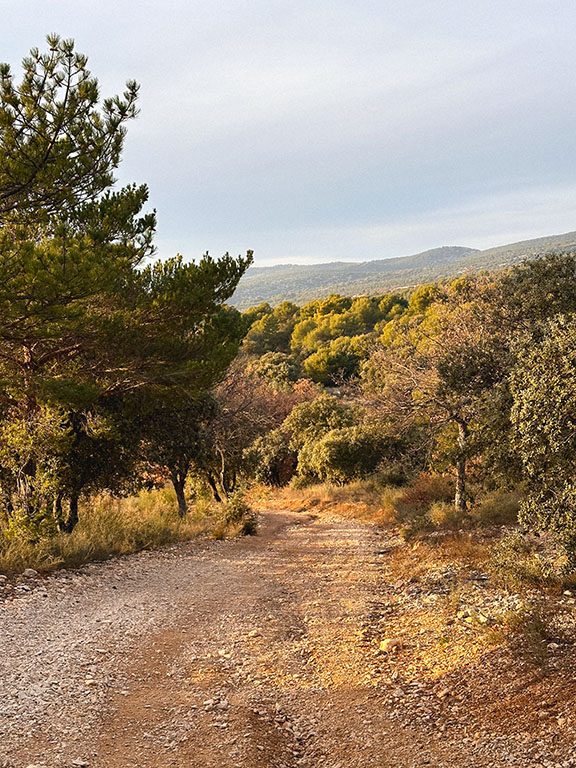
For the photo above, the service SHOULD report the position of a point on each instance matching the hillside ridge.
(303, 282)
(442, 253)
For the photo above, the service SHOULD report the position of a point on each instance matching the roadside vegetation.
(446, 410)
(109, 360)
(112, 526)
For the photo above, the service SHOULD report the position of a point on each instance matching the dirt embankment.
(264, 652)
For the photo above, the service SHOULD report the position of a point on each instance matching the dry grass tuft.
(520, 562)
(108, 527)
(525, 631)
(361, 500)
(497, 508)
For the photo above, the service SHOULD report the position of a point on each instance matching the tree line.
(473, 378)
(118, 370)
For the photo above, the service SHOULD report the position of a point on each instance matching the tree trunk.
(178, 481)
(8, 506)
(57, 511)
(72, 518)
(25, 485)
(214, 488)
(230, 486)
(57, 508)
(223, 483)
(460, 501)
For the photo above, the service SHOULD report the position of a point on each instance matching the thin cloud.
(316, 129)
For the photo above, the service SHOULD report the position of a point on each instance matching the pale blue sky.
(315, 131)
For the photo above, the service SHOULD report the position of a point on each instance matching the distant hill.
(303, 282)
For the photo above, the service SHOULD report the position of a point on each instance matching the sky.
(329, 130)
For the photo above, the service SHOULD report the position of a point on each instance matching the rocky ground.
(316, 643)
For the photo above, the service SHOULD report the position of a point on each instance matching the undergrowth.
(361, 500)
(519, 561)
(109, 527)
(236, 518)
(418, 508)
(526, 631)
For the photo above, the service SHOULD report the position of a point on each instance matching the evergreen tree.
(58, 147)
(87, 331)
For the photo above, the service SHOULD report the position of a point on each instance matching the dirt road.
(244, 654)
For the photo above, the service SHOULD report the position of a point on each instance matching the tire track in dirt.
(244, 654)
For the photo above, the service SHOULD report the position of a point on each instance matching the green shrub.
(515, 563)
(338, 360)
(543, 415)
(329, 367)
(309, 421)
(526, 632)
(270, 460)
(413, 503)
(22, 527)
(279, 368)
(395, 473)
(342, 455)
(443, 514)
(497, 508)
(238, 517)
(299, 482)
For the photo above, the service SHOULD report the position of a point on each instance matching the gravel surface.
(250, 654)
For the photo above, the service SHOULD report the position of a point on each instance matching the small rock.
(391, 644)
(254, 633)
(30, 573)
(3, 579)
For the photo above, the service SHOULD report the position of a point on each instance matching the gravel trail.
(244, 654)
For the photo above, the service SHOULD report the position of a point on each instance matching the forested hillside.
(304, 282)
(470, 379)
